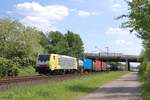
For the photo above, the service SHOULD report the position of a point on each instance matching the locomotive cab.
(43, 63)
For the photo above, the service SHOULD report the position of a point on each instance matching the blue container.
(87, 64)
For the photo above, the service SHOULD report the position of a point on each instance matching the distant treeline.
(21, 44)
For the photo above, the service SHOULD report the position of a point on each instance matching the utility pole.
(107, 48)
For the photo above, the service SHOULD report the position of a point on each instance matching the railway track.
(18, 79)
(11, 82)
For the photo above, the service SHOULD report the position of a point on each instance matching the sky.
(93, 20)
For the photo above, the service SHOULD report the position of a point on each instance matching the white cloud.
(83, 13)
(124, 42)
(118, 40)
(121, 40)
(42, 17)
(9, 12)
(80, 1)
(116, 2)
(117, 7)
(73, 9)
(116, 31)
(86, 13)
(94, 13)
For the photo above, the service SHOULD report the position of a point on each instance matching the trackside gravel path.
(124, 88)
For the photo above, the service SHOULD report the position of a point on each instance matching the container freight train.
(61, 64)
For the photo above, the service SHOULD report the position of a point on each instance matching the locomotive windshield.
(43, 58)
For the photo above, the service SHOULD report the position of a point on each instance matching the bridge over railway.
(116, 57)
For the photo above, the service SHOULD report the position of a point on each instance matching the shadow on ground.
(80, 88)
(134, 97)
(119, 90)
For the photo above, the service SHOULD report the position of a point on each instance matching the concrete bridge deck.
(112, 57)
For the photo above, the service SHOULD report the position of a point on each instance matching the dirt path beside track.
(124, 88)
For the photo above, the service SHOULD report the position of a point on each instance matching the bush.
(145, 78)
(7, 68)
(142, 68)
(26, 71)
(24, 62)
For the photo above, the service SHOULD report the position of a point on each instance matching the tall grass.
(65, 90)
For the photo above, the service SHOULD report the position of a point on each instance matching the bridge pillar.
(127, 65)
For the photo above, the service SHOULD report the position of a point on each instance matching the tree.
(139, 18)
(19, 43)
(58, 43)
(75, 44)
(44, 41)
(69, 44)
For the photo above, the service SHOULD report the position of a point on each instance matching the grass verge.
(146, 91)
(145, 86)
(65, 90)
(27, 71)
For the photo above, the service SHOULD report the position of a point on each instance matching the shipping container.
(87, 64)
(97, 65)
(104, 66)
(113, 68)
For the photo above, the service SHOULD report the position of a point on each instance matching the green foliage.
(144, 76)
(18, 42)
(58, 43)
(61, 90)
(26, 71)
(146, 72)
(22, 44)
(142, 68)
(44, 41)
(7, 68)
(68, 44)
(139, 18)
(75, 44)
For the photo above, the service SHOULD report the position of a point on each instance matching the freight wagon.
(99, 66)
(104, 66)
(113, 68)
(87, 64)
